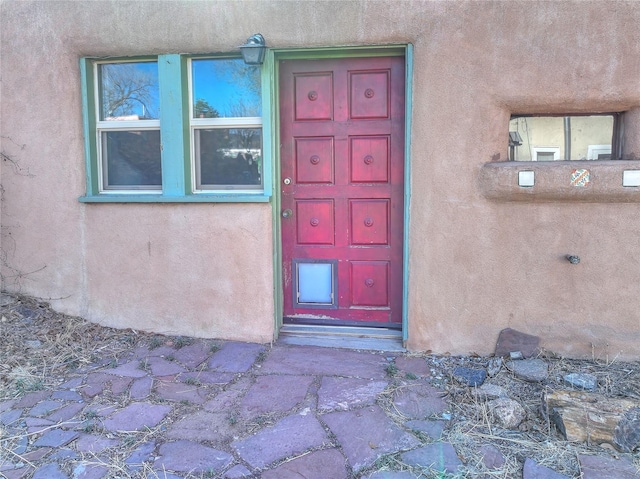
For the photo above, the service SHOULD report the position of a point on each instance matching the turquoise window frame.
(175, 139)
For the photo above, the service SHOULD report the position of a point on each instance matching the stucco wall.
(477, 264)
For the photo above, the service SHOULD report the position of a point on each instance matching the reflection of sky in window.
(229, 86)
(129, 89)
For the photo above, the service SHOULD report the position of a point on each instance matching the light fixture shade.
(253, 50)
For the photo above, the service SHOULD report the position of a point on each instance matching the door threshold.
(346, 337)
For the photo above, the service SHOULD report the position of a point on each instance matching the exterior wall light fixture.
(253, 50)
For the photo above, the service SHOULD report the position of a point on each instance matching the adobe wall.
(482, 256)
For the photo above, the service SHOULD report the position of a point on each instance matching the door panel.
(342, 160)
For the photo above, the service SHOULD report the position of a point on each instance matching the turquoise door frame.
(270, 82)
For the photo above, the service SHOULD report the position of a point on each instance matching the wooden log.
(594, 418)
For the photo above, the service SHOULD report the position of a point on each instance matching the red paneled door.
(342, 158)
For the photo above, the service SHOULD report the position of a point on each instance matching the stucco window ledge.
(566, 181)
(175, 199)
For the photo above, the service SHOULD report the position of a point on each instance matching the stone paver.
(11, 416)
(141, 388)
(49, 471)
(533, 370)
(90, 471)
(366, 434)
(136, 416)
(235, 357)
(289, 436)
(275, 393)
(67, 413)
(93, 443)
(56, 438)
(325, 464)
(492, 457)
(419, 401)
(324, 362)
(7, 405)
(163, 367)
(120, 385)
(214, 427)
(44, 408)
(237, 472)
(392, 475)
(193, 355)
(31, 399)
(192, 457)
(130, 369)
(533, 470)
(338, 430)
(511, 340)
(66, 396)
(417, 366)
(600, 467)
(172, 391)
(207, 377)
(140, 455)
(433, 429)
(439, 456)
(348, 393)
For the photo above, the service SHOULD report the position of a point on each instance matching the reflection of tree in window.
(202, 109)
(128, 89)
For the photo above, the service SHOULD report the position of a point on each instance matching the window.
(553, 138)
(174, 128)
(128, 127)
(226, 124)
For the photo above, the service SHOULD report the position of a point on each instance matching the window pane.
(131, 159)
(315, 283)
(542, 138)
(129, 91)
(224, 88)
(228, 156)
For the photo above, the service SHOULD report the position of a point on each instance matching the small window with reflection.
(556, 138)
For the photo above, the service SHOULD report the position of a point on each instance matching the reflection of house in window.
(553, 138)
(545, 153)
(599, 152)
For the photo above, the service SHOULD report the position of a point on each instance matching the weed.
(233, 420)
(410, 376)
(170, 358)
(214, 348)
(144, 364)
(191, 381)
(128, 441)
(261, 356)
(155, 342)
(185, 402)
(90, 414)
(88, 426)
(26, 385)
(391, 369)
(113, 363)
(181, 341)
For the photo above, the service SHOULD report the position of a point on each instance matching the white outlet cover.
(631, 178)
(528, 178)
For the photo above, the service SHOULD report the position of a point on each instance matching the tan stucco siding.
(477, 263)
